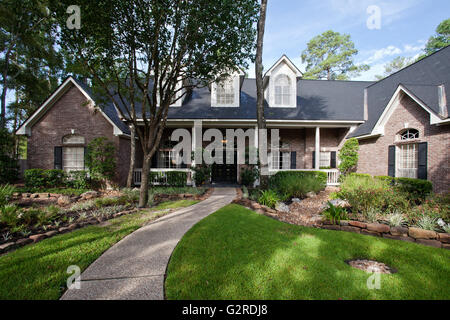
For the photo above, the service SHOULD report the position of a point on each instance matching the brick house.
(401, 123)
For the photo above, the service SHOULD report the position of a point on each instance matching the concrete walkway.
(134, 268)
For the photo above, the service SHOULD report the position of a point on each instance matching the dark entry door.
(225, 173)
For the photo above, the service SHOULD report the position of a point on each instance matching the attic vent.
(442, 101)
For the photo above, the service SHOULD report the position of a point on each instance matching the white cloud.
(382, 53)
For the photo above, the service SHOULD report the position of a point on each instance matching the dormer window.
(225, 92)
(283, 90)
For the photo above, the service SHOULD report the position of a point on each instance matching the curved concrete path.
(134, 268)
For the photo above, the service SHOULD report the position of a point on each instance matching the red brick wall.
(373, 155)
(71, 112)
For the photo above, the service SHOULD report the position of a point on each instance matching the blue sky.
(406, 25)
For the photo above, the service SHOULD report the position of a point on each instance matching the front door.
(225, 173)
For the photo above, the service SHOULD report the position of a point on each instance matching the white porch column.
(317, 149)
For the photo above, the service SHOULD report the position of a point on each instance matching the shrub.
(78, 179)
(9, 215)
(35, 178)
(335, 214)
(100, 159)
(269, 198)
(349, 156)
(371, 214)
(6, 193)
(416, 189)
(131, 195)
(249, 176)
(365, 193)
(202, 174)
(289, 184)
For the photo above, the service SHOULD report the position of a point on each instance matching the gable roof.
(421, 78)
(108, 110)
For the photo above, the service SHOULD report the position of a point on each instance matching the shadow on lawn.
(237, 254)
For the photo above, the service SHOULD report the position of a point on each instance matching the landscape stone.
(418, 233)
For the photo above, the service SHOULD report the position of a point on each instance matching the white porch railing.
(332, 174)
(137, 177)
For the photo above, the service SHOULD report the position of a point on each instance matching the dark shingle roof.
(316, 100)
(421, 78)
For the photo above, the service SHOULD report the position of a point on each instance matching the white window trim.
(236, 89)
(411, 159)
(76, 153)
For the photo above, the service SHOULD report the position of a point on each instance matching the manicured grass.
(238, 254)
(38, 271)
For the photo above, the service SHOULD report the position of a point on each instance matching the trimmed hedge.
(170, 179)
(322, 176)
(39, 178)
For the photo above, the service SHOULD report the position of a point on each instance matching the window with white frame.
(279, 160)
(325, 160)
(282, 90)
(73, 158)
(409, 134)
(168, 159)
(407, 160)
(225, 92)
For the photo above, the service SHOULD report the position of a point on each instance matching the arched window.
(409, 134)
(283, 90)
(225, 92)
(73, 139)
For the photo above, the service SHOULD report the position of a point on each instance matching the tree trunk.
(132, 157)
(143, 196)
(4, 89)
(259, 82)
(259, 66)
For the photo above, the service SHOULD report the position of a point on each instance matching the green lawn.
(238, 254)
(38, 271)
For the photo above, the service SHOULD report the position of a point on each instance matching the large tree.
(153, 52)
(259, 75)
(395, 65)
(330, 56)
(440, 40)
(29, 62)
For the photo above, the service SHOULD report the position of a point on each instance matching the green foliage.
(269, 198)
(296, 184)
(9, 215)
(441, 39)
(427, 222)
(100, 159)
(244, 192)
(395, 65)
(415, 189)
(330, 56)
(249, 176)
(6, 192)
(78, 180)
(8, 162)
(335, 214)
(396, 219)
(348, 155)
(170, 178)
(39, 178)
(202, 174)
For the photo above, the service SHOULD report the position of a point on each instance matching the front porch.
(302, 147)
